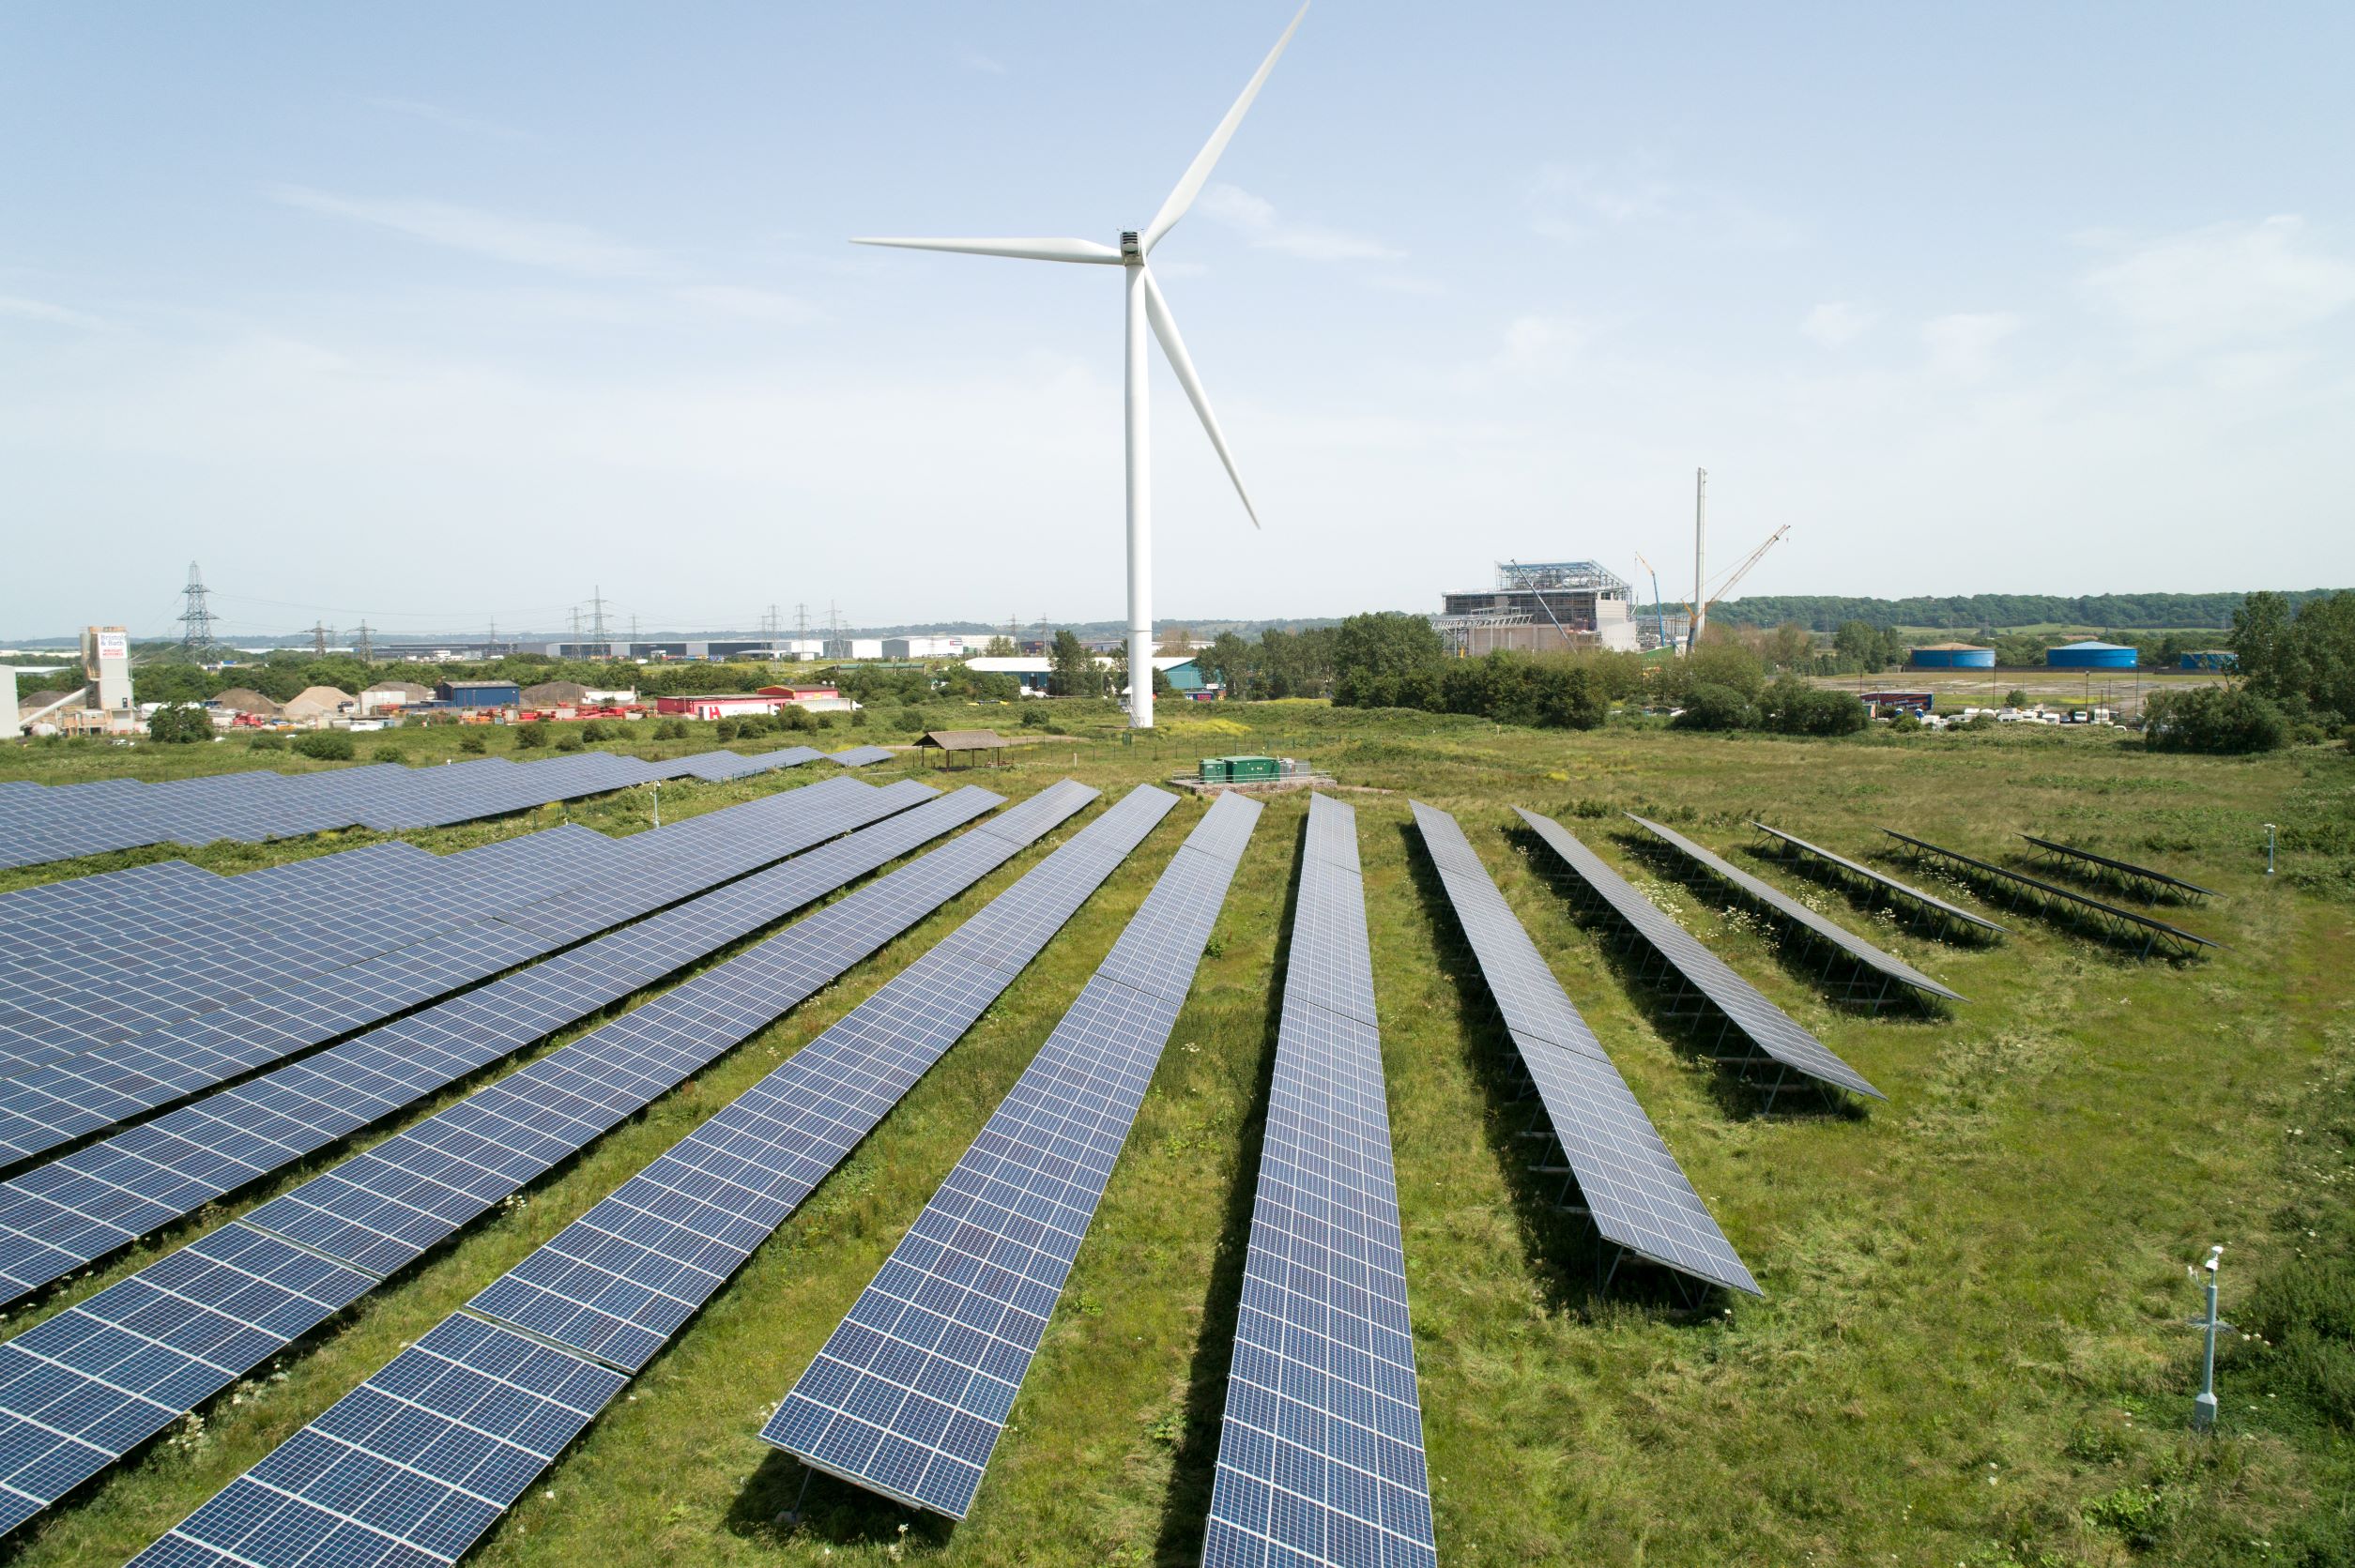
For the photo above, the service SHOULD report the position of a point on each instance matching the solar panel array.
(75, 1209)
(1637, 1195)
(422, 1483)
(2141, 881)
(83, 1388)
(53, 822)
(1882, 881)
(2124, 926)
(73, 1098)
(1786, 907)
(1769, 1031)
(909, 1393)
(858, 756)
(1320, 1448)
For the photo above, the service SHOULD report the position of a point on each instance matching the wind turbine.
(1146, 308)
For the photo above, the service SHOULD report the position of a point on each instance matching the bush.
(568, 742)
(2015, 698)
(1710, 705)
(180, 725)
(1033, 716)
(1904, 723)
(670, 729)
(858, 717)
(385, 754)
(266, 741)
(472, 745)
(2225, 721)
(1793, 707)
(796, 718)
(595, 730)
(532, 736)
(326, 745)
(724, 730)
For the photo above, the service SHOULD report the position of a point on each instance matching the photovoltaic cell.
(1767, 1028)
(911, 1390)
(611, 1288)
(380, 1209)
(1320, 1448)
(1793, 910)
(1637, 1195)
(859, 757)
(1881, 880)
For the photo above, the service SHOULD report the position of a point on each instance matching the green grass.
(1970, 1348)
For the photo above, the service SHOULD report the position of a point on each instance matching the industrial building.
(2089, 655)
(100, 704)
(1952, 656)
(479, 693)
(719, 705)
(1541, 607)
(2211, 659)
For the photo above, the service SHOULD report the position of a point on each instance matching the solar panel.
(1633, 1191)
(911, 1392)
(858, 756)
(380, 1209)
(1880, 881)
(2141, 881)
(2123, 926)
(1701, 975)
(1790, 909)
(49, 823)
(611, 1288)
(72, 1099)
(75, 1209)
(1320, 1446)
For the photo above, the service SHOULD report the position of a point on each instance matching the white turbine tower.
(1146, 307)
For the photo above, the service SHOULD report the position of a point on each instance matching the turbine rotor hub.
(1132, 253)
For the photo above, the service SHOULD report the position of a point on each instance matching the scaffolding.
(1540, 607)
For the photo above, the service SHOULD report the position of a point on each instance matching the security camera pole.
(2204, 1407)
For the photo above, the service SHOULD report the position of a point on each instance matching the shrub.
(670, 729)
(266, 741)
(1795, 707)
(1710, 705)
(2015, 698)
(326, 746)
(1904, 723)
(180, 725)
(532, 736)
(2219, 720)
(568, 742)
(858, 717)
(1033, 716)
(796, 718)
(472, 745)
(595, 730)
(385, 754)
(724, 730)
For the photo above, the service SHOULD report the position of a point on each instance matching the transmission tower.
(597, 620)
(318, 639)
(367, 646)
(196, 621)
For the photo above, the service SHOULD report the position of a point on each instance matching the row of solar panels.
(46, 822)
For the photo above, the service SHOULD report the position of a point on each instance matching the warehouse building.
(479, 693)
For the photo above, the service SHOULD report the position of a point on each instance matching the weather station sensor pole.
(2204, 1407)
(2269, 849)
(1147, 309)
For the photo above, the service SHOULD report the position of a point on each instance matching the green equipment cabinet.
(1240, 770)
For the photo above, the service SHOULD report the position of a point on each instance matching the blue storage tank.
(1952, 656)
(2090, 656)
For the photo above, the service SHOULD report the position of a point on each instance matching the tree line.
(1990, 611)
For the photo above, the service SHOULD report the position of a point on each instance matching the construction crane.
(1660, 611)
(1725, 585)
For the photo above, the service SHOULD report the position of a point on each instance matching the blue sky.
(445, 312)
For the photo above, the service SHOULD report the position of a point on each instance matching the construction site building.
(1541, 607)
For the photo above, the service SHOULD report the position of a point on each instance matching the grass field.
(1970, 1349)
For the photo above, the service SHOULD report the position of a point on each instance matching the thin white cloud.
(42, 310)
(1256, 217)
(1963, 347)
(752, 304)
(523, 241)
(2223, 284)
(985, 64)
(448, 119)
(1571, 203)
(1837, 322)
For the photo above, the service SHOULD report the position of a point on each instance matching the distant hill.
(2122, 612)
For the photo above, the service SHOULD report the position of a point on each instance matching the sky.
(442, 314)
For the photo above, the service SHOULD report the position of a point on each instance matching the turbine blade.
(1197, 172)
(1165, 329)
(1022, 250)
